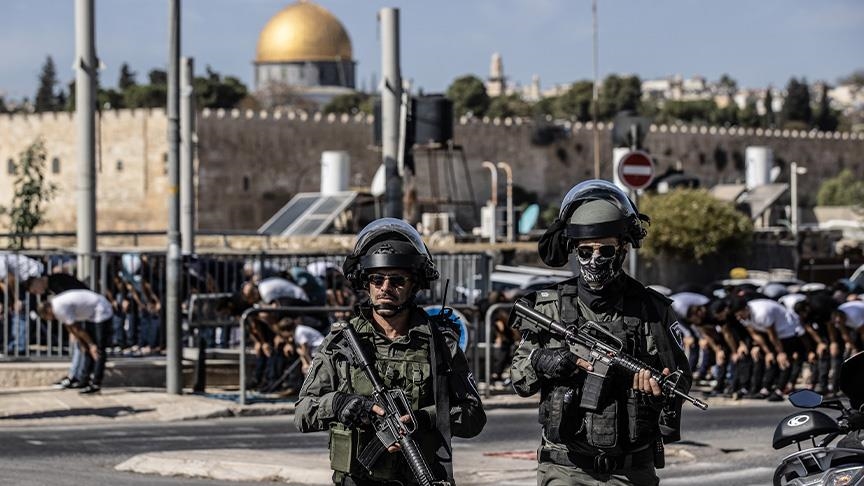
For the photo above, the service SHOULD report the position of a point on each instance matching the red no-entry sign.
(636, 170)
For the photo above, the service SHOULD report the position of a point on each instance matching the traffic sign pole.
(635, 171)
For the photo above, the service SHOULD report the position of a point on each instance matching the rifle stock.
(595, 350)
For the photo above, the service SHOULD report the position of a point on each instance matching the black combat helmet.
(591, 209)
(389, 243)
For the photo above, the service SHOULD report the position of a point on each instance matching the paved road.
(729, 445)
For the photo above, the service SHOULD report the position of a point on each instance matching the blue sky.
(758, 42)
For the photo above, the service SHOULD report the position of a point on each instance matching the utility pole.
(85, 119)
(391, 97)
(595, 92)
(187, 156)
(174, 363)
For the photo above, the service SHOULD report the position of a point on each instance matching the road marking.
(35, 442)
(720, 477)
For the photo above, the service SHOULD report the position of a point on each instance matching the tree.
(469, 96)
(696, 111)
(31, 193)
(796, 107)
(693, 225)
(214, 91)
(46, 99)
(749, 116)
(769, 120)
(146, 96)
(842, 190)
(351, 103)
(508, 106)
(619, 94)
(826, 118)
(856, 78)
(158, 77)
(575, 102)
(727, 85)
(127, 78)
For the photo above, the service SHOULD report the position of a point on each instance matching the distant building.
(496, 84)
(304, 54)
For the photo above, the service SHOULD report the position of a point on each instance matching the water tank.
(335, 169)
(758, 162)
(433, 119)
(376, 125)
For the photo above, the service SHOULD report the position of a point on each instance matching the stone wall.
(250, 164)
(131, 182)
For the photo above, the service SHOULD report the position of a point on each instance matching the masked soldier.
(596, 431)
(408, 349)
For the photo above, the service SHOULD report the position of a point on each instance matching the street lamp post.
(493, 200)
(508, 171)
(795, 172)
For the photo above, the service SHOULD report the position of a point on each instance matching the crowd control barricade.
(488, 344)
(244, 319)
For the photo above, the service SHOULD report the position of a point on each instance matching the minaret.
(496, 86)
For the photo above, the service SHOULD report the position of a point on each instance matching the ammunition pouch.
(343, 447)
(560, 415)
(602, 427)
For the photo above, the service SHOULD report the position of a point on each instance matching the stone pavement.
(43, 406)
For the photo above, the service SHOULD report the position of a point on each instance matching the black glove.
(553, 363)
(352, 410)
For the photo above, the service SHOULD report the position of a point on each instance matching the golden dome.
(303, 31)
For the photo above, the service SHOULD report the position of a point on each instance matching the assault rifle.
(602, 354)
(389, 428)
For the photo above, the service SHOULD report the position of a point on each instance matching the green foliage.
(46, 98)
(214, 91)
(468, 94)
(690, 224)
(749, 116)
(351, 103)
(31, 193)
(107, 99)
(618, 94)
(769, 120)
(146, 96)
(796, 107)
(826, 119)
(843, 190)
(127, 78)
(697, 111)
(728, 86)
(575, 102)
(509, 105)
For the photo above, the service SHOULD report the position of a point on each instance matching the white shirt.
(81, 305)
(20, 266)
(276, 288)
(789, 300)
(765, 313)
(854, 310)
(683, 301)
(308, 336)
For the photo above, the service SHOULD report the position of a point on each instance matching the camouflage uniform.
(615, 445)
(401, 363)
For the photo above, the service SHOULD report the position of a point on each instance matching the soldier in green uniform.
(614, 435)
(410, 351)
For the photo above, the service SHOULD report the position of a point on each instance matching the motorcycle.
(823, 464)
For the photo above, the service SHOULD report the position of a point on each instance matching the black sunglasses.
(378, 280)
(585, 252)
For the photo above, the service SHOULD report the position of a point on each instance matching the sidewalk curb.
(217, 465)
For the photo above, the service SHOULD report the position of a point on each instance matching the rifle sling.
(441, 388)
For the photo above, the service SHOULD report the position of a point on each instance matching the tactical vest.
(624, 419)
(403, 363)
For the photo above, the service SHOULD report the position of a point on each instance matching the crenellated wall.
(251, 163)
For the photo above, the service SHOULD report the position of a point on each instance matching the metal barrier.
(139, 278)
(255, 311)
(487, 368)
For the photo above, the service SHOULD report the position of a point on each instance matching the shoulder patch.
(676, 330)
(543, 296)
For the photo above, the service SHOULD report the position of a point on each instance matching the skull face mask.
(599, 266)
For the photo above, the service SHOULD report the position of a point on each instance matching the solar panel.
(307, 214)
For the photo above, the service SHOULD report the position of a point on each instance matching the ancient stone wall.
(250, 164)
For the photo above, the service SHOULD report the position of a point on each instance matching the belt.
(601, 463)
